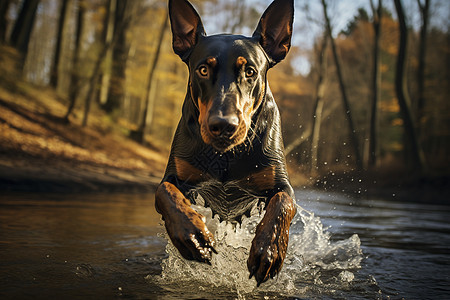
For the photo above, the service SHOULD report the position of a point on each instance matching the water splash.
(312, 259)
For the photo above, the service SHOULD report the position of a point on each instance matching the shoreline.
(78, 178)
(42, 176)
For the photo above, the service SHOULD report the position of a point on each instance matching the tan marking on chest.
(261, 180)
(189, 173)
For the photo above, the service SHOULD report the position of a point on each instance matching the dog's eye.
(203, 71)
(250, 72)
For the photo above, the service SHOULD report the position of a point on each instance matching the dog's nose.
(223, 126)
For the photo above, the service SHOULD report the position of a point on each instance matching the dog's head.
(227, 73)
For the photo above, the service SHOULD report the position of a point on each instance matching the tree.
(424, 12)
(116, 89)
(74, 80)
(238, 10)
(417, 159)
(108, 31)
(139, 134)
(318, 106)
(353, 136)
(59, 40)
(107, 46)
(93, 80)
(21, 33)
(4, 6)
(376, 81)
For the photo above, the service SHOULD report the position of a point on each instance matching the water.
(113, 246)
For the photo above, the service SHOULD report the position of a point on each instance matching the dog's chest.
(229, 200)
(211, 162)
(234, 182)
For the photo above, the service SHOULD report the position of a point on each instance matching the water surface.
(112, 246)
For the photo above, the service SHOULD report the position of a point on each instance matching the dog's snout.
(224, 126)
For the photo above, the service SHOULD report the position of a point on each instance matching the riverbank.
(40, 151)
(395, 184)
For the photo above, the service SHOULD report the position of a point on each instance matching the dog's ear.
(274, 30)
(186, 27)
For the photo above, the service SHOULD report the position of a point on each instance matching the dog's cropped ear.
(186, 27)
(274, 30)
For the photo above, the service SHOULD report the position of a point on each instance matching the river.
(91, 246)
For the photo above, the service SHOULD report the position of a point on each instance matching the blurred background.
(363, 94)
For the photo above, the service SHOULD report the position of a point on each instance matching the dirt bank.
(41, 152)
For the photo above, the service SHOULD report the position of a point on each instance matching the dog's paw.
(190, 236)
(268, 251)
(271, 238)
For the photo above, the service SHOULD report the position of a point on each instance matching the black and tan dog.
(227, 152)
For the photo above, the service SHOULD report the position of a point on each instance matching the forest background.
(363, 94)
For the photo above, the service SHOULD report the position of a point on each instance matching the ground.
(39, 151)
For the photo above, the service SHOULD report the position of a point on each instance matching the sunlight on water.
(310, 253)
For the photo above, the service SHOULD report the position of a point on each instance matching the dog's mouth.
(226, 138)
(224, 124)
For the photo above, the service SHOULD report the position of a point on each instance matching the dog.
(227, 152)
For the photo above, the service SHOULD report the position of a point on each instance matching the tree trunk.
(140, 133)
(59, 40)
(424, 11)
(92, 82)
(74, 80)
(376, 83)
(105, 75)
(238, 10)
(98, 64)
(417, 160)
(318, 106)
(4, 6)
(21, 33)
(353, 136)
(306, 134)
(116, 89)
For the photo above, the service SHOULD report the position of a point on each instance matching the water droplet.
(84, 270)
(346, 276)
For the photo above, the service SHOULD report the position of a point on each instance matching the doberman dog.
(227, 152)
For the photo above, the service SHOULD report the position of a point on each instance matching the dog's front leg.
(271, 239)
(186, 227)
